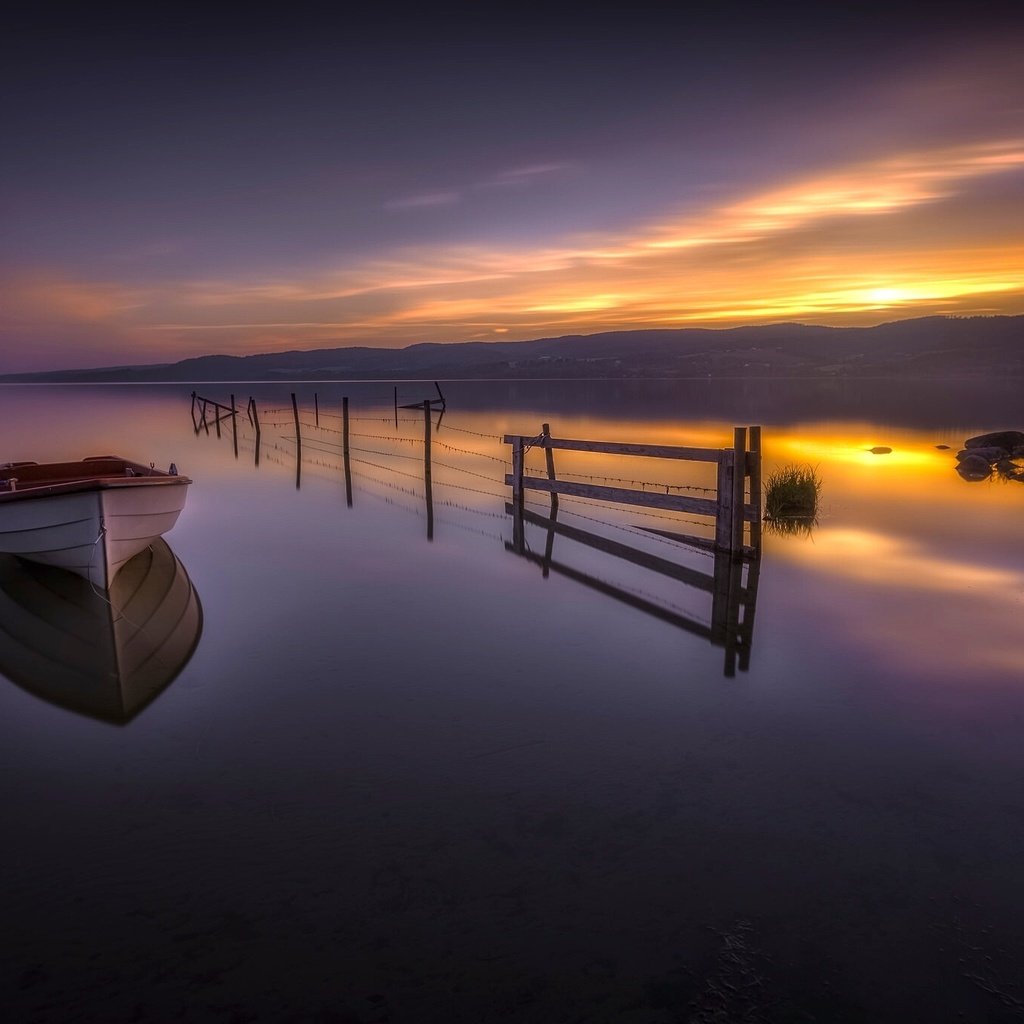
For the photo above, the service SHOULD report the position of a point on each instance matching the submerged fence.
(363, 454)
(734, 506)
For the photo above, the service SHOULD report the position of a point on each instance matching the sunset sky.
(197, 183)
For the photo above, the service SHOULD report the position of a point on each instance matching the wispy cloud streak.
(852, 244)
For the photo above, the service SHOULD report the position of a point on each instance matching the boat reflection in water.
(103, 655)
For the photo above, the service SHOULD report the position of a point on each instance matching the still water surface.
(410, 779)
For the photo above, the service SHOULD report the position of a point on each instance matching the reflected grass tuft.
(791, 526)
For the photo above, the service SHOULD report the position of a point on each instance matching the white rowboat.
(89, 517)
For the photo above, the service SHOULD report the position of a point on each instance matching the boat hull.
(91, 532)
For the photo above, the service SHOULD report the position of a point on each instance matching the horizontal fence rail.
(731, 509)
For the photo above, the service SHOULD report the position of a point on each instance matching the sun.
(886, 296)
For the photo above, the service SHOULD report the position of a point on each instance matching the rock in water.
(942, 447)
(974, 468)
(1008, 439)
(991, 453)
(880, 449)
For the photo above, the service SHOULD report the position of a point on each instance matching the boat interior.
(18, 476)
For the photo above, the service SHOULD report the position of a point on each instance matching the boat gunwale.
(145, 476)
(90, 484)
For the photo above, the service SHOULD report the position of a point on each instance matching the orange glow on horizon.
(846, 247)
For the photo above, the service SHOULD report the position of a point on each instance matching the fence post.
(234, 426)
(517, 472)
(344, 451)
(755, 488)
(298, 443)
(723, 520)
(739, 479)
(549, 458)
(255, 417)
(426, 470)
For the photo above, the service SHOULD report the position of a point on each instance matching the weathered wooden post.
(344, 451)
(396, 407)
(739, 479)
(298, 443)
(723, 515)
(216, 419)
(255, 417)
(298, 429)
(234, 426)
(755, 489)
(549, 458)
(202, 417)
(316, 409)
(518, 532)
(426, 470)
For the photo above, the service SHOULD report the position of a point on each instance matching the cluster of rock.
(1000, 452)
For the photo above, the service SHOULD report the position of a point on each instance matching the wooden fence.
(737, 500)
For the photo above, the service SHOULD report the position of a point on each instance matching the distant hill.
(933, 346)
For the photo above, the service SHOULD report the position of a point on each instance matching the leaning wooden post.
(344, 451)
(216, 420)
(549, 458)
(234, 425)
(723, 515)
(739, 479)
(518, 533)
(202, 417)
(754, 459)
(316, 409)
(298, 443)
(517, 472)
(396, 407)
(256, 423)
(426, 470)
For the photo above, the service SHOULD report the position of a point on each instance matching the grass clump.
(792, 493)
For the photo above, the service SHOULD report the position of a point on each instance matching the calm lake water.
(414, 780)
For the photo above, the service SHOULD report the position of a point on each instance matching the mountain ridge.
(922, 347)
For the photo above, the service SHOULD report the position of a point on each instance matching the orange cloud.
(856, 244)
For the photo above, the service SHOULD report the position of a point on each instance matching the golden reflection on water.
(912, 561)
(872, 557)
